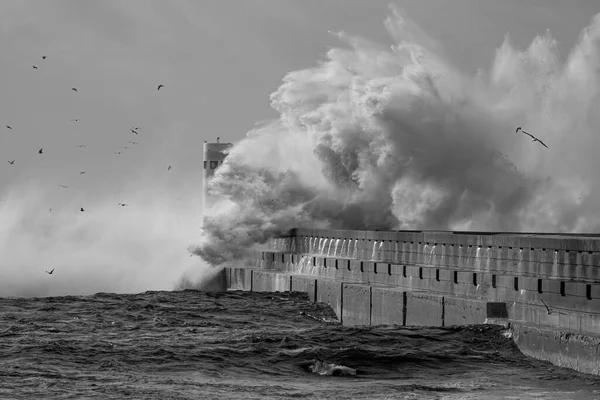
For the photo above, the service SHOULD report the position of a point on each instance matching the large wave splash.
(397, 138)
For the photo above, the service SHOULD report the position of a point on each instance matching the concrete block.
(330, 292)
(424, 309)
(240, 279)
(387, 306)
(305, 284)
(356, 304)
(270, 281)
(460, 311)
(496, 310)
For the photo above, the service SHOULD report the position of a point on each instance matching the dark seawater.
(241, 345)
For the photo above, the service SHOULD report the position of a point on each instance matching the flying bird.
(74, 89)
(76, 119)
(81, 209)
(134, 131)
(168, 169)
(34, 67)
(82, 172)
(545, 305)
(9, 127)
(159, 86)
(51, 272)
(11, 162)
(122, 204)
(117, 152)
(133, 142)
(80, 145)
(533, 138)
(64, 186)
(43, 57)
(41, 151)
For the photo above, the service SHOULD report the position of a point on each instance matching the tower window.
(205, 164)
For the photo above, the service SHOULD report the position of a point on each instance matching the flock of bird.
(134, 130)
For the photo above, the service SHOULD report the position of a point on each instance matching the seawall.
(545, 288)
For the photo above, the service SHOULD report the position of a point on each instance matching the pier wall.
(535, 284)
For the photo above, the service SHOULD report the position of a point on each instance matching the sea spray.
(396, 138)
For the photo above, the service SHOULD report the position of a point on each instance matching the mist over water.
(107, 248)
(379, 137)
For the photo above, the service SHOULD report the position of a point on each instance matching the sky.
(219, 61)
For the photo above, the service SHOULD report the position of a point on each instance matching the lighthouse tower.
(214, 154)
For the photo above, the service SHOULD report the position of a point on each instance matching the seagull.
(50, 273)
(81, 209)
(80, 145)
(122, 204)
(76, 119)
(117, 152)
(137, 128)
(133, 142)
(9, 127)
(125, 147)
(545, 305)
(64, 186)
(159, 86)
(11, 162)
(82, 172)
(34, 67)
(43, 57)
(533, 138)
(168, 169)
(74, 89)
(41, 151)
(133, 131)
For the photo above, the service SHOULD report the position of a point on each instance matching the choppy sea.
(242, 345)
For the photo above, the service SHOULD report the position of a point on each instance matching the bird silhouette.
(9, 127)
(134, 131)
(43, 57)
(533, 138)
(168, 169)
(137, 128)
(545, 305)
(81, 209)
(34, 67)
(74, 89)
(51, 272)
(117, 152)
(82, 172)
(11, 162)
(41, 151)
(218, 139)
(80, 145)
(159, 86)
(122, 204)
(64, 186)
(133, 142)
(76, 119)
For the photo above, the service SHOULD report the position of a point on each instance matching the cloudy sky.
(219, 61)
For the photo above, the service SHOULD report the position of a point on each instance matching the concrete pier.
(544, 288)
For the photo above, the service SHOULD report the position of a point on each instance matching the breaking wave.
(396, 138)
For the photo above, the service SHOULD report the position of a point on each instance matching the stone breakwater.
(545, 288)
